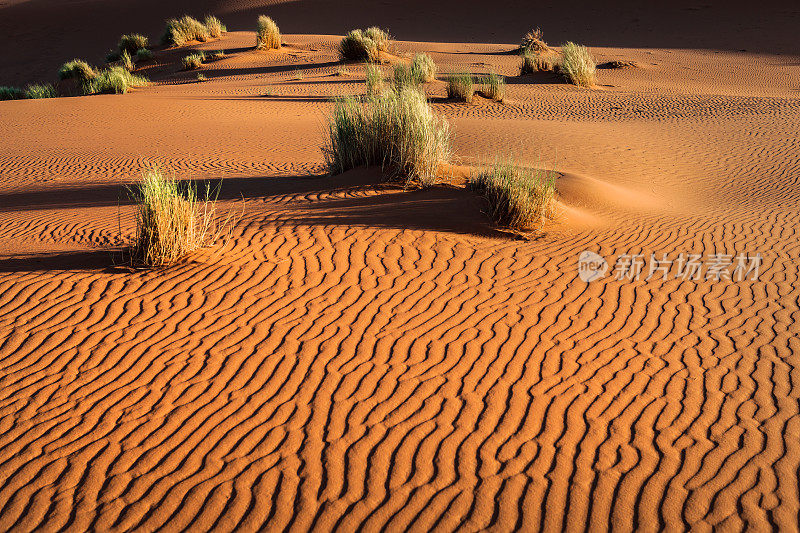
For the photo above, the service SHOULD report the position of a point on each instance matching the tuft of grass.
(358, 46)
(396, 129)
(143, 54)
(379, 37)
(11, 93)
(126, 61)
(519, 198)
(201, 77)
(268, 36)
(40, 90)
(423, 68)
(216, 55)
(77, 69)
(533, 62)
(533, 42)
(214, 26)
(494, 86)
(460, 86)
(193, 61)
(183, 30)
(114, 80)
(172, 219)
(132, 42)
(373, 79)
(578, 66)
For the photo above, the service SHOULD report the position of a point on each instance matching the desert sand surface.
(363, 357)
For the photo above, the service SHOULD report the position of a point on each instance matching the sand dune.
(360, 356)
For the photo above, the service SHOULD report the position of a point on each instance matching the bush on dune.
(518, 198)
(143, 54)
(40, 90)
(421, 70)
(494, 87)
(577, 65)
(172, 220)
(533, 42)
(193, 61)
(114, 80)
(77, 69)
(132, 42)
(364, 45)
(183, 30)
(11, 93)
(268, 35)
(460, 86)
(395, 130)
(533, 62)
(214, 26)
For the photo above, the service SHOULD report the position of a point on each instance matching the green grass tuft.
(143, 54)
(268, 36)
(11, 93)
(460, 86)
(396, 129)
(519, 198)
(126, 62)
(379, 37)
(421, 70)
(193, 61)
(114, 80)
(578, 66)
(494, 87)
(201, 77)
(77, 69)
(183, 30)
(40, 90)
(172, 220)
(132, 42)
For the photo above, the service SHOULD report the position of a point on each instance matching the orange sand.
(368, 357)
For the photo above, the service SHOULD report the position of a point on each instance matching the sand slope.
(368, 357)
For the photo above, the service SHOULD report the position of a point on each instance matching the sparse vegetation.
(40, 90)
(11, 93)
(533, 42)
(216, 55)
(114, 80)
(374, 79)
(460, 86)
(396, 129)
(183, 30)
(494, 87)
(578, 66)
(214, 26)
(519, 198)
(201, 77)
(77, 69)
(422, 69)
(143, 54)
(132, 42)
(172, 220)
(533, 62)
(193, 61)
(268, 36)
(126, 62)
(364, 45)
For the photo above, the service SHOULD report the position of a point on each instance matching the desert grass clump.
(126, 61)
(379, 37)
(533, 42)
(460, 86)
(201, 77)
(114, 80)
(172, 220)
(396, 129)
(577, 65)
(494, 86)
(358, 46)
(214, 26)
(373, 77)
(193, 61)
(268, 36)
(216, 55)
(132, 42)
(11, 93)
(519, 198)
(143, 54)
(183, 30)
(423, 68)
(533, 63)
(77, 69)
(40, 90)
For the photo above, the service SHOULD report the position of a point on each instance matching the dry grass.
(494, 87)
(364, 45)
(532, 63)
(461, 86)
(268, 36)
(518, 198)
(77, 69)
(37, 91)
(193, 61)
(373, 77)
(577, 65)
(216, 55)
(172, 220)
(114, 80)
(132, 42)
(214, 26)
(396, 130)
(183, 30)
(126, 62)
(201, 77)
(533, 42)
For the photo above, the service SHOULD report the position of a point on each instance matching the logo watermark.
(633, 267)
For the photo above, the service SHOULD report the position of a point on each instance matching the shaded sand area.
(361, 356)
